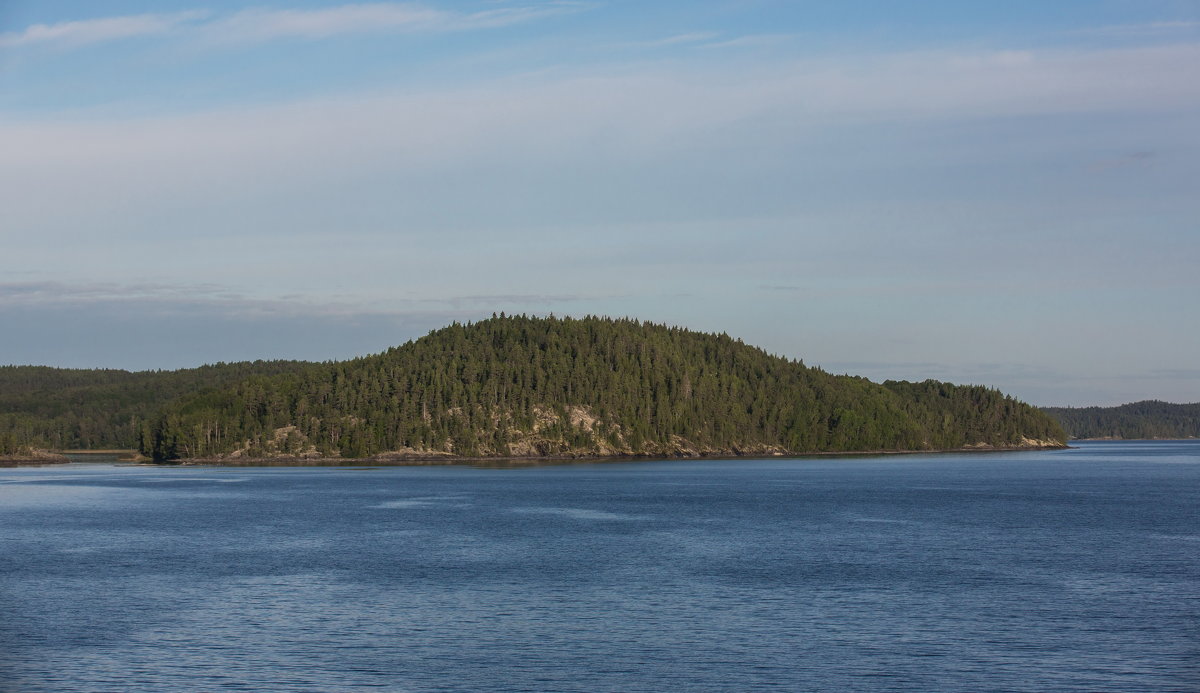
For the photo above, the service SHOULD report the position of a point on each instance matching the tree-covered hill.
(523, 386)
(63, 409)
(1148, 419)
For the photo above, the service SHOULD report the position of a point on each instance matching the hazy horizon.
(998, 195)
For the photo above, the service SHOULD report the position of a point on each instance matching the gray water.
(1074, 570)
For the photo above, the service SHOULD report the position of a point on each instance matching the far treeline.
(514, 386)
(1148, 419)
(79, 409)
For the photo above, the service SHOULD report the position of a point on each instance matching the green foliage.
(953, 416)
(63, 409)
(522, 385)
(1148, 419)
(11, 445)
(507, 386)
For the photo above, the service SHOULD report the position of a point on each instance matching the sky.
(1005, 194)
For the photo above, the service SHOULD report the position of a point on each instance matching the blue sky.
(995, 193)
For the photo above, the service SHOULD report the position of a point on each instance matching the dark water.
(1073, 570)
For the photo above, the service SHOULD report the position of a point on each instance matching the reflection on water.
(1071, 570)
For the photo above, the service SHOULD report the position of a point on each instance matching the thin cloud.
(1145, 29)
(178, 301)
(262, 25)
(45, 293)
(507, 299)
(89, 31)
(186, 297)
(676, 40)
(590, 120)
(1175, 373)
(515, 15)
(752, 41)
(266, 25)
(1123, 161)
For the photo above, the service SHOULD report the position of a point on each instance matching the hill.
(1144, 420)
(523, 386)
(65, 408)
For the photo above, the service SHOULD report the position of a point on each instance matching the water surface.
(1074, 570)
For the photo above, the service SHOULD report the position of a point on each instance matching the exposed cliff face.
(1024, 444)
(285, 441)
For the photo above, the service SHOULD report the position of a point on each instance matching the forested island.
(1150, 419)
(511, 386)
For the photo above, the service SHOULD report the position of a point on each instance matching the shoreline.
(33, 461)
(1115, 438)
(452, 460)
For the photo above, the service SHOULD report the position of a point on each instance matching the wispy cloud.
(1123, 161)
(262, 25)
(171, 297)
(586, 122)
(265, 24)
(1145, 29)
(676, 40)
(255, 25)
(183, 298)
(514, 15)
(507, 300)
(1175, 373)
(752, 41)
(88, 31)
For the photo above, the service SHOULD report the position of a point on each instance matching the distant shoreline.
(33, 461)
(47, 457)
(1118, 439)
(451, 460)
(445, 459)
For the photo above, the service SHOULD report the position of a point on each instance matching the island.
(513, 387)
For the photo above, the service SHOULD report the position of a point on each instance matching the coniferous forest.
(1138, 420)
(80, 409)
(510, 386)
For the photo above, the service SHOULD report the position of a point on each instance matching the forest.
(511, 386)
(1138, 420)
(80, 409)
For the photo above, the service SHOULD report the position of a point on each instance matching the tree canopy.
(520, 385)
(509, 386)
(1148, 419)
(65, 409)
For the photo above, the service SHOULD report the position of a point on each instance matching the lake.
(1070, 570)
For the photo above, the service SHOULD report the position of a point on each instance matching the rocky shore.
(428, 458)
(32, 458)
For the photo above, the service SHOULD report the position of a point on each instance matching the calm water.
(1074, 570)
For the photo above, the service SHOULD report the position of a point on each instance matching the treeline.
(1148, 419)
(64, 409)
(592, 386)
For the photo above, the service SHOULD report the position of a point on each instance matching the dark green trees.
(547, 386)
(62, 409)
(1148, 419)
